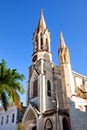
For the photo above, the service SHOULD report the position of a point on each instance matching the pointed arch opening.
(65, 124)
(35, 88)
(30, 116)
(41, 43)
(48, 125)
(48, 88)
(13, 117)
(41, 40)
(47, 45)
(36, 41)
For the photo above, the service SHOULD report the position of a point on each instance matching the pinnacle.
(62, 42)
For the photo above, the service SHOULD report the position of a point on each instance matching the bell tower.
(41, 39)
(40, 73)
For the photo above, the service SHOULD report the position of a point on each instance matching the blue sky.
(19, 19)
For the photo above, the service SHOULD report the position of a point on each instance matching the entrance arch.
(29, 121)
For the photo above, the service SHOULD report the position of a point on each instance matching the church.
(56, 95)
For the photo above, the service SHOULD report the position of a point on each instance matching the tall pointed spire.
(41, 38)
(62, 42)
(41, 24)
(63, 51)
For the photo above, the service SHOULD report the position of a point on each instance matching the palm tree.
(10, 85)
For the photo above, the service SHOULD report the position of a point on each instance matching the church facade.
(56, 95)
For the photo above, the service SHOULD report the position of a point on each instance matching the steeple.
(41, 24)
(41, 39)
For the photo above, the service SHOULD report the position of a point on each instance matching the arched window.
(30, 116)
(46, 46)
(48, 88)
(2, 120)
(36, 40)
(13, 117)
(48, 124)
(41, 42)
(7, 119)
(35, 88)
(65, 124)
(36, 46)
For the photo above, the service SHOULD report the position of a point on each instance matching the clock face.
(34, 58)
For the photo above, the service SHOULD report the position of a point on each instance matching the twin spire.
(42, 26)
(41, 39)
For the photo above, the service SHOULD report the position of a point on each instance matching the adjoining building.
(12, 118)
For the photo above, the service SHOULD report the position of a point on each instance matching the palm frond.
(4, 100)
(10, 84)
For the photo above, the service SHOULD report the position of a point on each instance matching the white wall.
(10, 125)
(78, 117)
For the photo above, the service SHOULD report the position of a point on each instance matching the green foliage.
(10, 85)
(4, 100)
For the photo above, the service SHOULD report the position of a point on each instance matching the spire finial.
(41, 24)
(41, 12)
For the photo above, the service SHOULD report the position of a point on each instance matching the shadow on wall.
(78, 118)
